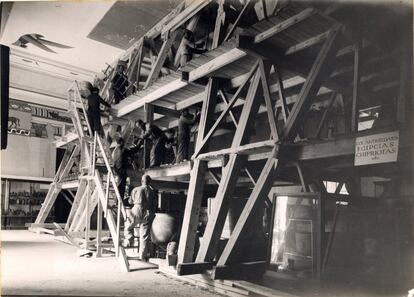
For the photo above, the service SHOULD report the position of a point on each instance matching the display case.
(21, 202)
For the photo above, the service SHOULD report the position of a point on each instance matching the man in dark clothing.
(94, 111)
(189, 48)
(158, 139)
(144, 200)
(170, 146)
(184, 128)
(120, 156)
(119, 83)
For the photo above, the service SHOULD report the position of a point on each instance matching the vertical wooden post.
(402, 92)
(219, 23)
(355, 90)
(149, 117)
(271, 227)
(118, 228)
(99, 230)
(87, 219)
(320, 223)
(192, 212)
(198, 172)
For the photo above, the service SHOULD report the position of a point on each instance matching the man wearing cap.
(144, 201)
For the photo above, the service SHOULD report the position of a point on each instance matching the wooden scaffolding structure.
(265, 76)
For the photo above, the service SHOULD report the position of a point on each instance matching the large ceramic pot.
(163, 228)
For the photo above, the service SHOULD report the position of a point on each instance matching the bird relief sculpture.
(39, 41)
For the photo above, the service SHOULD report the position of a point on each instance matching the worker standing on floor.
(94, 111)
(120, 156)
(144, 201)
(158, 139)
(185, 122)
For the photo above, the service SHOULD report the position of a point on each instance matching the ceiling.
(56, 42)
(92, 32)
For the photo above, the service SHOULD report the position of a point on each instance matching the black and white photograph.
(207, 148)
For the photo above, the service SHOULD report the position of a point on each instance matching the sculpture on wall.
(38, 41)
(14, 122)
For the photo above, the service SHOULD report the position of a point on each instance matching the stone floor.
(33, 264)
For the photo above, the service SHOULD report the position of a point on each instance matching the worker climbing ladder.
(97, 186)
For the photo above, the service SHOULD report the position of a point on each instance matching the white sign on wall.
(378, 148)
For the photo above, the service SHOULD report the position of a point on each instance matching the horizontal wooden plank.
(239, 270)
(261, 290)
(193, 268)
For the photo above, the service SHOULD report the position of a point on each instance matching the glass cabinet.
(21, 202)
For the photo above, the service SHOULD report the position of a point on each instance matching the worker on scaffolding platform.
(94, 111)
(189, 48)
(185, 122)
(158, 138)
(144, 201)
(121, 156)
(170, 146)
(119, 82)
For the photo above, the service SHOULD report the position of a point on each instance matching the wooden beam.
(284, 25)
(260, 290)
(136, 72)
(260, 190)
(166, 111)
(307, 43)
(125, 107)
(355, 89)
(214, 64)
(404, 92)
(224, 113)
(221, 16)
(239, 270)
(304, 183)
(312, 85)
(66, 197)
(185, 15)
(325, 114)
(320, 231)
(214, 176)
(156, 68)
(236, 22)
(76, 202)
(158, 28)
(192, 212)
(198, 172)
(230, 174)
(282, 97)
(264, 70)
(226, 102)
(149, 118)
(193, 268)
(246, 149)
